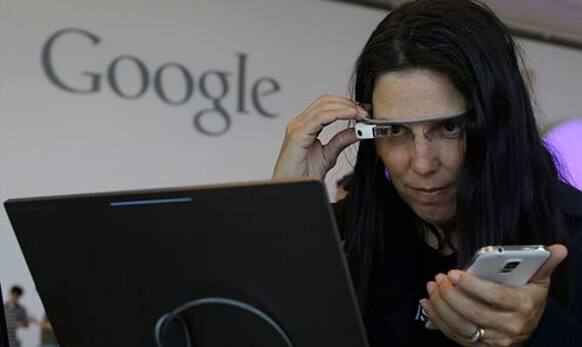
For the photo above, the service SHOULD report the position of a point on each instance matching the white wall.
(56, 142)
(558, 81)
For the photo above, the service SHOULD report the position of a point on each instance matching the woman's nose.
(424, 156)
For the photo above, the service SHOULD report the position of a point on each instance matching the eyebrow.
(417, 120)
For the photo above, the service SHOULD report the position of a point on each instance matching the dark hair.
(16, 290)
(345, 182)
(506, 184)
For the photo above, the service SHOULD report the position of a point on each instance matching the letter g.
(49, 68)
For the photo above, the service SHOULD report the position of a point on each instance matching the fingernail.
(430, 286)
(439, 278)
(362, 111)
(454, 275)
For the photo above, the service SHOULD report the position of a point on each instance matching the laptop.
(255, 264)
(3, 331)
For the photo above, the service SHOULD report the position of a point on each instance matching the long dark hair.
(506, 185)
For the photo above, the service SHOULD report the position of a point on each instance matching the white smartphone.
(512, 266)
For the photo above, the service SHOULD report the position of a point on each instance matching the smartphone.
(512, 266)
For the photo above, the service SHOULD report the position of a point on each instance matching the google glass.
(374, 128)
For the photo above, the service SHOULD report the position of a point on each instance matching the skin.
(419, 168)
(13, 299)
(424, 175)
(340, 193)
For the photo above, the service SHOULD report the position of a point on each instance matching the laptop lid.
(109, 266)
(3, 331)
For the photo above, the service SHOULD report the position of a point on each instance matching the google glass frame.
(374, 128)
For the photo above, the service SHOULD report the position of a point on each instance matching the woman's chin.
(435, 216)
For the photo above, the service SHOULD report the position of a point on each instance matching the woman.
(465, 167)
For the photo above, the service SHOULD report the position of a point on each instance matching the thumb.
(558, 254)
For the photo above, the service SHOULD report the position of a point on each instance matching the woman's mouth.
(431, 193)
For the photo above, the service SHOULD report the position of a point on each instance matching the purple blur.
(565, 141)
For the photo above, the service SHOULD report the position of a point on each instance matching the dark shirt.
(397, 318)
(394, 318)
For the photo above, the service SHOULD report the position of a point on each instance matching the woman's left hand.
(460, 303)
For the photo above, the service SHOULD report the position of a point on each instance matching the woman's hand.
(460, 303)
(302, 154)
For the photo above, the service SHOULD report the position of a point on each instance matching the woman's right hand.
(302, 154)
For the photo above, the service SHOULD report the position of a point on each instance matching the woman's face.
(423, 159)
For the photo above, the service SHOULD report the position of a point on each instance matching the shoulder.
(570, 200)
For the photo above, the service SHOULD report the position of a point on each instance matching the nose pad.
(427, 134)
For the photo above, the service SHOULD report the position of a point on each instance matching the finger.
(331, 106)
(491, 293)
(456, 323)
(490, 338)
(475, 311)
(338, 143)
(329, 100)
(558, 254)
(436, 321)
(314, 125)
(360, 113)
(336, 98)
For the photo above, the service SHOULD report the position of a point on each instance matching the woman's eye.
(451, 127)
(396, 130)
